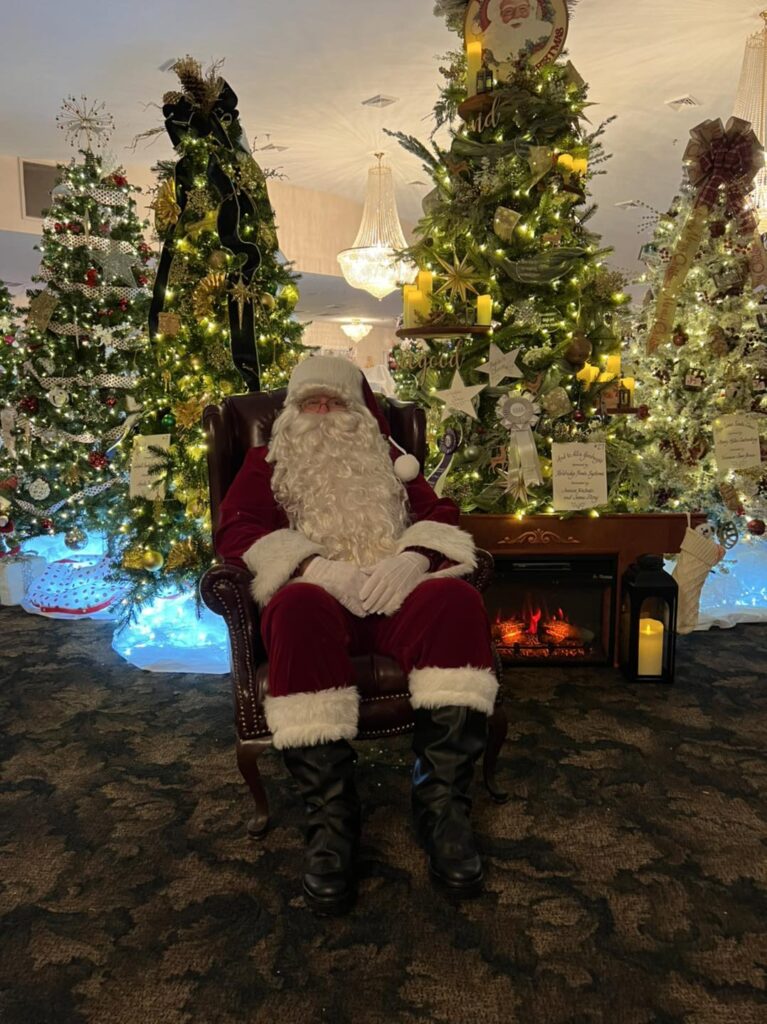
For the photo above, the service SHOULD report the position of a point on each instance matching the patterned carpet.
(627, 875)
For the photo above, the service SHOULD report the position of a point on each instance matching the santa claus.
(352, 552)
(510, 29)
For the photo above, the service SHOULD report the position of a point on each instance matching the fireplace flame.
(534, 628)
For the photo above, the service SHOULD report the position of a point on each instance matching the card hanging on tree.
(144, 480)
(736, 440)
(580, 476)
(169, 324)
(41, 309)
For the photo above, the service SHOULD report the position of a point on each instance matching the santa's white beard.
(334, 477)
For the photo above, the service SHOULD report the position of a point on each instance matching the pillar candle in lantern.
(485, 309)
(473, 66)
(425, 281)
(650, 647)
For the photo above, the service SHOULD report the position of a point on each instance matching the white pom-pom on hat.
(406, 468)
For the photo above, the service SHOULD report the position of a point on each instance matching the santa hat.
(339, 376)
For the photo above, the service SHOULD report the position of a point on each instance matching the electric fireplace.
(553, 610)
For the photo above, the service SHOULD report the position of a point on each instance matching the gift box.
(17, 572)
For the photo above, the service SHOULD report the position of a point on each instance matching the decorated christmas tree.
(701, 358)
(220, 323)
(76, 358)
(512, 334)
(9, 360)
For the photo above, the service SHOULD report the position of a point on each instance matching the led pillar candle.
(485, 310)
(407, 305)
(425, 282)
(473, 66)
(650, 647)
(613, 366)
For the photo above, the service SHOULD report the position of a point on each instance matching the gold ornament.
(152, 560)
(210, 288)
(578, 351)
(166, 209)
(243, 293)
(189, 414)
(199, 200)
(268, 301)
(133, 559)
(169, 324)
(459, 278)
(218, 259)
(41, 309)
(181, 555)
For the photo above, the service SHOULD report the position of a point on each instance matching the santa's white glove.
(391, 580)
(342, 580)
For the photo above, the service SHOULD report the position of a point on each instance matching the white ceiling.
(302, 67)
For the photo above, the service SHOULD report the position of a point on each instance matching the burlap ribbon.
(718, 158)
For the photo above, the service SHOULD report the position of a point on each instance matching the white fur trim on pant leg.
(446, 687)
(454, 543)
(274, 558)
(306, 719)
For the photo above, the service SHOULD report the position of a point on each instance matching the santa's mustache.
(334, 424)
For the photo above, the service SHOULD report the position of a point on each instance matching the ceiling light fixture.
(371, 264)
(379, 101)
(356, 330)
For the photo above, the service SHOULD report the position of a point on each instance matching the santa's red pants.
(310, 638)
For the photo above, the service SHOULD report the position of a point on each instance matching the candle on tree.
(473, 66)
(650, 662)
(484, 310)
(425, 281)
(407, 305)
(630, 383)
(613, 366)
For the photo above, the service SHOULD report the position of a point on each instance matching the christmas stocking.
(698, 555)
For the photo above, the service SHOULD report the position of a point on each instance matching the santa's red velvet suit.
(439, 634)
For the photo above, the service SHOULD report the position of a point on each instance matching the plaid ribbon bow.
(719, 156)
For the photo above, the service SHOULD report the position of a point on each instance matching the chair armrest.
(482, 576)
(225, 589)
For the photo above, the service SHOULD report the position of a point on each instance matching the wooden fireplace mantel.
(623, 536)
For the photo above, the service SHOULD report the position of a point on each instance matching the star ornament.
(79, 118)
(458, 397)
(500, 365)
(460, 278)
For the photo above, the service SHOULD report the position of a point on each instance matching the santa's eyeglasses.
(316, 402)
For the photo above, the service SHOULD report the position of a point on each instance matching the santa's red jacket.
(253, 529)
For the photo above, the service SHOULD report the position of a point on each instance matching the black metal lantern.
(648, 621)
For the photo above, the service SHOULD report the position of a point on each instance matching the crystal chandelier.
(371, 264)
(751, 105)
(356, 329)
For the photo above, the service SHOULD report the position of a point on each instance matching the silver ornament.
(57, 397)
(76, 539)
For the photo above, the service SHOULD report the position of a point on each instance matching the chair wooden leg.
(497, 727)
(248, 752)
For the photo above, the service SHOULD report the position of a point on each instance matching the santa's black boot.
(447, 743)
(325, 777)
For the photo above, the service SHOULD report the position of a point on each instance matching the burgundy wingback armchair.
(245, 421)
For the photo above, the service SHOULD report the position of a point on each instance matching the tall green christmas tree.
(700, 353)
(513, 331)
(220, 323)
(76, 359)
(9, 359)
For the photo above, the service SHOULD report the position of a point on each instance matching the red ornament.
(92, 277)
(47, 524)
(29, 404)
(111, 401)
(579, 416)
(98, 460)
(74, 227)
(58, 228)
(756, 527)
(123, 304)
(9, 484)
(142, 280)
(119, 180)
(6, 525)
(643, 411)
(9, 339)
(680, 337)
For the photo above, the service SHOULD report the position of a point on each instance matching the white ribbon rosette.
(519, 413)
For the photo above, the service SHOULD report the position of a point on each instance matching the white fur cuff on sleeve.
(454, 543)
(274, 558)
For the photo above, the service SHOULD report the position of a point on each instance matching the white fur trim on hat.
(326, 372)
(454, 543)
(307, 719)
(274, 558)
(467, 687)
